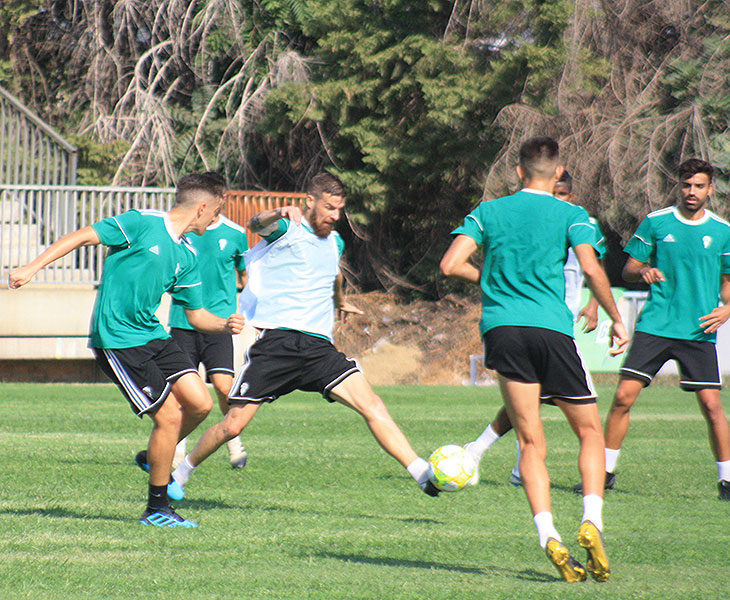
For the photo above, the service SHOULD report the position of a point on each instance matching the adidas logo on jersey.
(222, 244)
(155, 250)
(668, 238)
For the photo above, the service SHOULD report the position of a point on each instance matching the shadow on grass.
(328, 513)
(554, 487)
(527, 575)
(60, 513)
(204, 504)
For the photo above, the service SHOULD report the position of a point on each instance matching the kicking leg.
(356, 393)
(236, 419)
(222, 382)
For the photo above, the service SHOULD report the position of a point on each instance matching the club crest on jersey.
(706, 241)
(155, 250)
(222, 244)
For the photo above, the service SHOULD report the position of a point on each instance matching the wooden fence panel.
(242, 205)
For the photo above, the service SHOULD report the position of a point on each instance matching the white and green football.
(450, 468)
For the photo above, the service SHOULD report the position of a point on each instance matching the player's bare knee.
(168, 420)
(372, 407)
(232, 425)
(623, 400)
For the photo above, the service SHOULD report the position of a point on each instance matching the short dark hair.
(567, 179)
(216, 177)
(209, 182)
(325, 183)
(539, 156)
(690, 168)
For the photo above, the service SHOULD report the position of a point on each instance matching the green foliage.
(403, 99)
(409, 114)
(97, 162)
(702, 80)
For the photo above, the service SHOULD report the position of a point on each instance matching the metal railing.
(31, 151)
(34, 216)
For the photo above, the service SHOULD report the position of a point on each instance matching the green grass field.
(320, 511)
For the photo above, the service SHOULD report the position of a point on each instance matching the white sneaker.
(238, 459)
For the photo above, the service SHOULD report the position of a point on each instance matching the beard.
(320, 228)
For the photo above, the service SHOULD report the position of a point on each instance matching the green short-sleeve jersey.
(525, 238)
(692, 255)
(146, 259)
(220, 253)
(600, 244)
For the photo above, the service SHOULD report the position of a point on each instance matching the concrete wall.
(44, 332)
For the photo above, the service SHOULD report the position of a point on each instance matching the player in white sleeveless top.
(293, 290)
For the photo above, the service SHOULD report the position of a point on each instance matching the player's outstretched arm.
(263, 221)
(207, 322)
(717, 318)
(455, 262)
(86, 236)
(635, 270)
(601, 288)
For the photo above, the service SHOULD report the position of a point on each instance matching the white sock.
(234, 446)
(545, 528)
(516, 470)
(182, 473)
(479, 446)
(593, 510)
(611, 459)
(419, 471)
(182, 446)
(723, 470)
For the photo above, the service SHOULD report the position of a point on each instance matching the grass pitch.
(321, 512)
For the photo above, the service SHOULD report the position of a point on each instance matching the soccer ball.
(450, 468)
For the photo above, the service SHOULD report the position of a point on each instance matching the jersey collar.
(307, 226)
(532, 191)
(216, 225)
(700, 221)
(170, 230)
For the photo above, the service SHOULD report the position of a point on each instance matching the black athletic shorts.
(281, 361)
(698, 367)
(544, 356)
(144, 374)
(213, 350)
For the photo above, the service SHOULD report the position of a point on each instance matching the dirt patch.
(421, 342)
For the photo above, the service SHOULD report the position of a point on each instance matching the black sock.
(157, 497)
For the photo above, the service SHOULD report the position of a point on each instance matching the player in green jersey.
(222, 271)
(574, 280)
(148, 256)
(528, 335)
(683, 254)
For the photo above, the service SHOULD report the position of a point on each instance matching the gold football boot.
(591, 539)
(569, 568)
